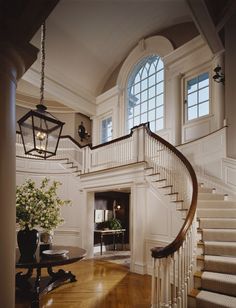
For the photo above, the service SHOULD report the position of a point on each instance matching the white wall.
(153, 220)
(70, 233)
(188, 60)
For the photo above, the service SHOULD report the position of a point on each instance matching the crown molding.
(79, 102)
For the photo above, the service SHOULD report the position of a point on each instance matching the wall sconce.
(82, 132)
(116, 207)
(219, 76)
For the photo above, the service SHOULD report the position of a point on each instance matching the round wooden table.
(35, 287)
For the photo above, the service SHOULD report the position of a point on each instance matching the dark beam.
(21, 19)
(205, 25)
(229, 12)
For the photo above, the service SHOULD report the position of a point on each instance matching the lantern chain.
(42, 62)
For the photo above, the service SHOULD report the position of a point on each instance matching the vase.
(27, 242)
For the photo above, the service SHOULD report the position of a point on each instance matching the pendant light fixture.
(40, 130)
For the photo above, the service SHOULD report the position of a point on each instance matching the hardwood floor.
(100, 284)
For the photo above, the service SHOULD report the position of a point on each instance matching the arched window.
(145, 94)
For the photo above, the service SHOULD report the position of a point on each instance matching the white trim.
(158, 45)
(83, 103)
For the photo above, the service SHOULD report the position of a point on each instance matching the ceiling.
(87, 39)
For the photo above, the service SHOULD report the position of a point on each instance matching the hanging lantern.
(40, 130)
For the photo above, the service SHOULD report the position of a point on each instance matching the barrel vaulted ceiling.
(87, 39)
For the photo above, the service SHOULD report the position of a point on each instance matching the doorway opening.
(112, 226)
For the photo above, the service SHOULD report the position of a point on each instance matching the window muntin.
(197, 97)
(106, 130)
(145, 94)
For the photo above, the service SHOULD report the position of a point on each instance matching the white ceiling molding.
(107, 95)
(205, 25)
(80, 103)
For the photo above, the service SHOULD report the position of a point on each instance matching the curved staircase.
(215, 279)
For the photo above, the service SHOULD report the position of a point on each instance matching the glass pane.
(160, 65)
(159, 88)
(203, 80)
(151, 115)
(151, 80)
(130, 124)
(160, 76)
(133, 99)
(192, 113)
(203, 94)
(159, 124)
(144, 118)
(145, 92)
(130, 112)
(159, 112)
(151, 92)
(159, 100)
(144, 107)
(144, 84)
(136, 121)
(152, 69)
(143, 96)
(137, 88)
(192, 99)
(203, 109)
(136, 110)
(137, 78)
(144, 73)
(192, 85)
(151, 103)
(152, 126)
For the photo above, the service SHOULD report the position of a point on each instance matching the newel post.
(86, 159)
(141, 143)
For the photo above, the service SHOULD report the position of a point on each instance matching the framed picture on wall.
(98, 216)
(108, 215)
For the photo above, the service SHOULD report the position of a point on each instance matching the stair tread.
(216, 218)
(216, 298)
(215, 204)
(227, 278)
(217, 243)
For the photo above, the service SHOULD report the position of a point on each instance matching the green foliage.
(39, 206)
(114, 224)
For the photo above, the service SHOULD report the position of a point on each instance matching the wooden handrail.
(161, 252)
(102, 144)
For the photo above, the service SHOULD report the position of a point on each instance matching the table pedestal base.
(35, 287)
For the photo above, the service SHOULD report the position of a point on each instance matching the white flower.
(39, 206)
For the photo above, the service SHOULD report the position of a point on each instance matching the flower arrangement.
(39, 206)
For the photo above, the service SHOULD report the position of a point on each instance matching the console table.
(35, 287)
(103, 233)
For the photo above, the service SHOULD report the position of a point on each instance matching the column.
(218, 95)
(138, 227)
(174, 106)
(230, 85)
(10, 68)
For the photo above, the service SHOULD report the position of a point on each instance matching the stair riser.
(219, 251)
(154, 177)
(216, 213)
(225, 268)
(215, 286)
(219, 236)
(214, 224)
(218, 287)
(221, 204)
(200, 265)
(204, 190)
(210, 196)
